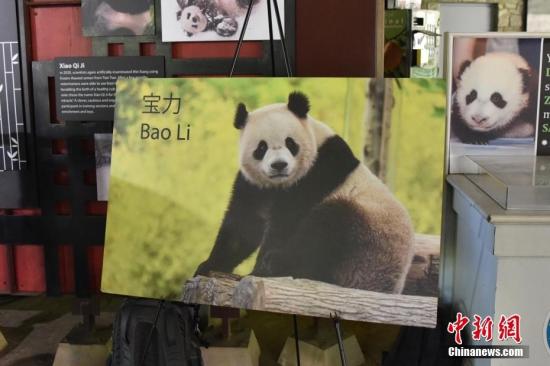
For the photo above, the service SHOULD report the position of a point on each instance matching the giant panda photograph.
(118, 17)
(313, 210)
(277, 185)
(494, 96)
(218, 20)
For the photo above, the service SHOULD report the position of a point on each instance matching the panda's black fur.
(303, 234)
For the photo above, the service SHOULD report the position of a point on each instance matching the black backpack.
(174, 341)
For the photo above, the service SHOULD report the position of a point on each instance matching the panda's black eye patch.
(496, 99)
(471, 97)
(292, 146)
(260, 151)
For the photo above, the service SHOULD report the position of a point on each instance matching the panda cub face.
(277, 145)
(193, 20)
(493, 90)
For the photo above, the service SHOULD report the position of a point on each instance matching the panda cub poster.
(497, 97)
(218, 20)
(279, 195)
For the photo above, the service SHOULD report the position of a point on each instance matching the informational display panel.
(85, 86)
(12, 126)
(498, 98)
(543, 139)
(265, 178)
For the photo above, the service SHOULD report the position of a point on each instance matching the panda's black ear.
(526, 77)
(463, 68)
(298, 104)
(241, 116)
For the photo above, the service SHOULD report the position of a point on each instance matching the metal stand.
(336, 320)
(271, 41)
(273, 73)
(296, 339)
(150, 336)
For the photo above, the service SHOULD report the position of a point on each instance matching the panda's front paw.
(227, 27)
(203, 269)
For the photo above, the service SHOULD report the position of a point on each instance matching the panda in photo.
(117, 17)
(495, 98)
(311, 207)
(196, 16)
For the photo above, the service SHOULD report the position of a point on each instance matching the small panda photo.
(494, 96)
(118, 17)
(217, 20)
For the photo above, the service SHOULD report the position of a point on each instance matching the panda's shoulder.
(335, 156)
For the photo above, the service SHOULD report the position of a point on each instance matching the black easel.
(296, 339)
(273, 73)
(150, 335)
(335, 317)
(336, 320)
(271, 41)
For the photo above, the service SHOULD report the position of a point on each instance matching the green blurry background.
(167, 198)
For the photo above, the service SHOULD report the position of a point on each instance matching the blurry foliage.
(416, 155)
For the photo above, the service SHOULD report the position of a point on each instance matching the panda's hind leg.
(338, 243)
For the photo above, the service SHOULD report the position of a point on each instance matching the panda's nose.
(195, 19)
(479, 119)
(279, 165)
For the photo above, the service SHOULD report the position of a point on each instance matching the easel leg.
(281, 34)
(241, 38)
(150, 336)
(296, 339)
(340, 340)
(270, 21)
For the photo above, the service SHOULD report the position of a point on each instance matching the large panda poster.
(498, 97)
(278, 195)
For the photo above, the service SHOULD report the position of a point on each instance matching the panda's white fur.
(310, 134)
(328, 219)
(491, 97)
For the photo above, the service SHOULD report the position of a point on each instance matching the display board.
(261, 177)
(498, 97)
(85, 86)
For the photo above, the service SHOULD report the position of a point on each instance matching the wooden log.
(313, 298)
(319, 299)
(423, 275)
